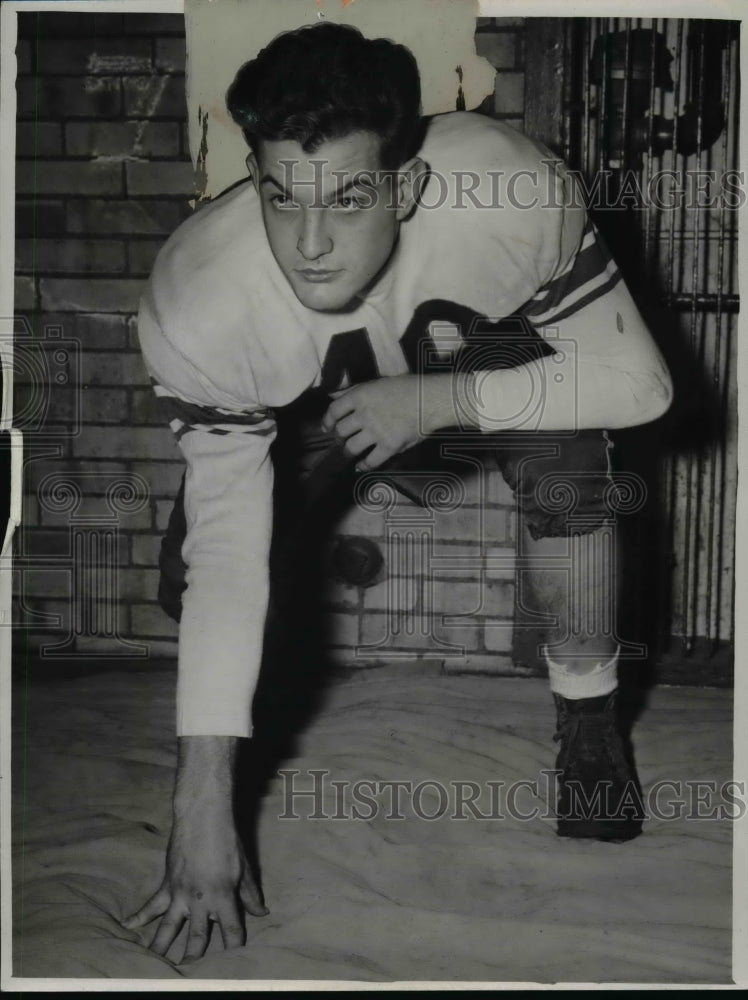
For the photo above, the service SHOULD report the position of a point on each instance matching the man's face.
(331, 216)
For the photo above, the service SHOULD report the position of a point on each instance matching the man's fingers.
(348, 426)
(232, 926)
(250, 897)
(170, 926)
(198, 938)
(156, 905)
(378, 456)
(358, 443)
(338, 409)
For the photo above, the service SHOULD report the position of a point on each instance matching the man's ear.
(254, 170)
(411, 178)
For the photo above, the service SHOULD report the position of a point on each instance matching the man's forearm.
(497, 400)
(206, 768)
(540, 396)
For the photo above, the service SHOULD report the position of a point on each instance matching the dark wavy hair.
(325, 81)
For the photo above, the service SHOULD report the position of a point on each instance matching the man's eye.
(346, 205)
(282, 202)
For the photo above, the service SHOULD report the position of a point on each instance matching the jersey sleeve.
(606, 370)
(590, 274)
(228, 508)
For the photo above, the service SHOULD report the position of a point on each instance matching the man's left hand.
(384, 416)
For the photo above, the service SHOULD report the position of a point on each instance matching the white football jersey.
(500, 229)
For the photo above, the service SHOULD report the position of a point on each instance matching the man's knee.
(561, 484)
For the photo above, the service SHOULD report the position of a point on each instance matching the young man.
(361, 227)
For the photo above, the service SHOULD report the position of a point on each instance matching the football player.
(362, 229)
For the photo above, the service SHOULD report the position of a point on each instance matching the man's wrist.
(205, 770)
(447, 400)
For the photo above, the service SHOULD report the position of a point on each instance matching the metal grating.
(650, 119)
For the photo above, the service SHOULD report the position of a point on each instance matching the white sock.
(602, 679)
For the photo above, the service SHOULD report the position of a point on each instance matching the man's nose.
(315, 240)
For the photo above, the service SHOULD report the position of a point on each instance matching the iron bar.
(586, 92)
(674, 457)
(718, 450)
(696, 457)
(706, 302)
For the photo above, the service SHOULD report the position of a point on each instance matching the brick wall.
(103, 177)
(501, 41)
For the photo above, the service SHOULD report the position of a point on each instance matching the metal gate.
(647, 111)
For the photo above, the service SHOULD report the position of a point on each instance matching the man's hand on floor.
(208, 878)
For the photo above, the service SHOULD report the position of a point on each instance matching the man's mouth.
(315, 274)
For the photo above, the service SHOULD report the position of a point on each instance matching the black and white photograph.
(370, 587)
